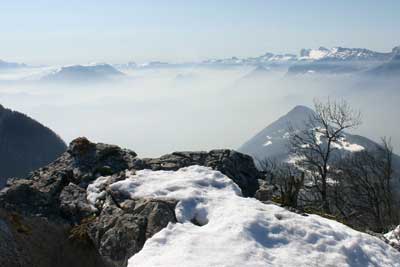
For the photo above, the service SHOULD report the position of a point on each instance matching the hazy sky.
(65, 32)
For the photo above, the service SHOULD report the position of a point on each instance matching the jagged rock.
(121, 231)
(118, 235)
(81, 164)
(73, 203)
(115, 227)
(35, 196)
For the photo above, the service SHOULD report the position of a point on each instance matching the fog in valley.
(154, 111)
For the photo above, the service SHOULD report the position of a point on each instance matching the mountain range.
(322, 54)
(336, 60)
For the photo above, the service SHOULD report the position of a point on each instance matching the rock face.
(116, 226)
(25, 145)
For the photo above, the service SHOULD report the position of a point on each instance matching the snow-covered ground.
(218, 227)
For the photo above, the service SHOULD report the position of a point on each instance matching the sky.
(70, 32)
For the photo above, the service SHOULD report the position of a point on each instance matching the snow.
(96, 190)
(340, 53)
(269, 142)
(238, 231)
(318, 54)
(394, 236)
(345, 145)
(341, 143)
(286, 135)
(318, 136)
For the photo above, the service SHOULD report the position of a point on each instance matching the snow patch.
(345, 145)
(96, 190)
(286, 135)
(241, 231)
(268, 143)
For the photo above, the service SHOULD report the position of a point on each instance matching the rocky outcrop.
(113, 228)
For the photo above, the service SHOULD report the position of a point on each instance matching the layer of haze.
(158, 111)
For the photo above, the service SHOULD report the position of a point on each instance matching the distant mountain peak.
(79, 73)
(339, 53)
(11, 65)
(273, 140)
(300, 109)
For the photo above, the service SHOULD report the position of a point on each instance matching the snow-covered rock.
(216, 226)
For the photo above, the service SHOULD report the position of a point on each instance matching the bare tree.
(366, 181)
(285, 178)
(314, 146)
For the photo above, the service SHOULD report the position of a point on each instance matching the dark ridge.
(25, 145)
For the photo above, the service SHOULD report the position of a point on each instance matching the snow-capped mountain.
(154, 64)
(322, 54)
(266, 59)
(270, 57)
(339, 60)
(84, 73)
(151, 65)
(272, 141)
(129, 65)
(306, 56)
(224, 61)
(343, 54)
